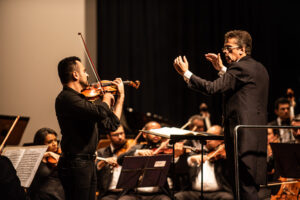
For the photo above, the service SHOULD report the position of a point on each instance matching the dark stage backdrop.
(139, 39)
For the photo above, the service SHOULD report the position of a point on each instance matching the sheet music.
(167, 131)
(14, 156)
(26, 161)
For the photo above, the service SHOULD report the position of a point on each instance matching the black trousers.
(78, 177)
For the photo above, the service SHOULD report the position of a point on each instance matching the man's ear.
(276, 111)
(108, 137)
(75, 75)
(243, 50)
(144, 135)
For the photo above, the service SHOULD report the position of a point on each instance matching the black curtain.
(139, 39)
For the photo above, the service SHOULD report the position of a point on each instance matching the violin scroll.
(135, 84)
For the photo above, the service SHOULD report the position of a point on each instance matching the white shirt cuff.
(222, 71)
(187, 74)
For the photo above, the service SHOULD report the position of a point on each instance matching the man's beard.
(119, 145)
(84, 84)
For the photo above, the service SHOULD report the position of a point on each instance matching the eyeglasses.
(229, 48)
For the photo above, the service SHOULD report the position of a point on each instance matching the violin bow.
(9, 132)
(87, 53)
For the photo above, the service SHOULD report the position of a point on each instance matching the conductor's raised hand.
(215, 60)
(181, 65)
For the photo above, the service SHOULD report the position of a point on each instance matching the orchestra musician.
(196, 123)
(78, 119)
(108, 170)
(152, 143)
(282, 111)
(215, 180)
(46, 184)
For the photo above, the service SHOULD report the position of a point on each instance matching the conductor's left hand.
(181, 65)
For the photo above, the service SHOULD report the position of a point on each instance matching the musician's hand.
(112, 161)
(196, 159)
(119, 83)
(215, 60)
(100, 164)
(181, 65)
(109, 99)
(143, 152)
(50, 154)
(178, 147)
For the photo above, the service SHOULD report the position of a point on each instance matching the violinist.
(282, 111)
(46, 184)
(108, 171)
(79, 120)
(146, 149)
(215, 185)
(196, 123)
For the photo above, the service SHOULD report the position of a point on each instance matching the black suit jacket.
(104, 175)
(245, 92)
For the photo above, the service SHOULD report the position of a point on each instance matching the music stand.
(6, 122)
(144, 171)
(287, 159)
(176, 135)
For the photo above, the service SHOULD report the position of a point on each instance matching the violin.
(216, 154)
(52, 161)
(94, 91)
(169, 149)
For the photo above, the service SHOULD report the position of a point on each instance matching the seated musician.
(46, 184)
(215, 184)
(108, 171)
(152, 141)
(197, 123)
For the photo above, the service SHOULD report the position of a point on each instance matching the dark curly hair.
(243, 39)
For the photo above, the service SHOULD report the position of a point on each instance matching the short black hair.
(281, 100)
(40, 135)
(66, 67)
(244, 39)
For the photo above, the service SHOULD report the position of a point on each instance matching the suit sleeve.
(227, 82)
